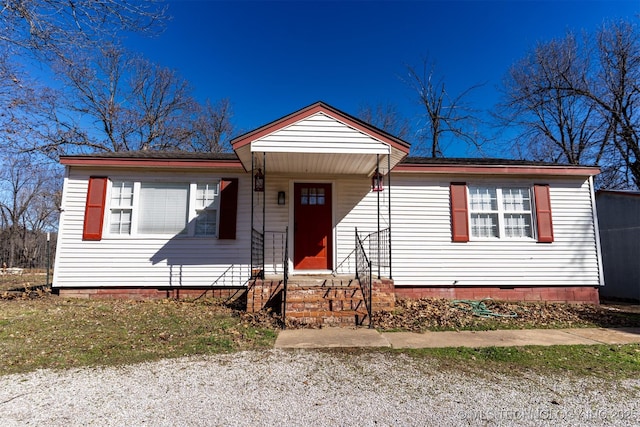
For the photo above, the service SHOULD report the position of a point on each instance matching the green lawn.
(59, 333)
(53, 332)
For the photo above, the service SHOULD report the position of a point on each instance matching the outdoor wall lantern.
(258, 182)
(376, 181)
(281, 198)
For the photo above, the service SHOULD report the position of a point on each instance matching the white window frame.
(501, 212)
(195, 210)
(192, 209)
(113, 207)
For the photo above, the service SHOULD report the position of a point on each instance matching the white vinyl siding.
(423, 253)
(319, 134)
(152, 260)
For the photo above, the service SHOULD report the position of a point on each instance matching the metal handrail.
(277, 251)
(285, 279)
(257, 254)
(364, 276)
(234, 277)
(380, 250)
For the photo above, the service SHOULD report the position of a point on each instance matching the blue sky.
(271, 58)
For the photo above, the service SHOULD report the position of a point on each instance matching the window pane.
(163, 208)
(206, 195)
(304, 200)
(312, 196)
(517, 225)
(122, 194)
(484, 225)
(120, 221)
(321, 196)
(206, 223)
(483, 199)
(516, 199)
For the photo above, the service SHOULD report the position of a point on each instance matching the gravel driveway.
(309, 388)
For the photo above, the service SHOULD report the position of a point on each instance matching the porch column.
(264, 208)
(252, 203)
(389, 199)
(378, 203)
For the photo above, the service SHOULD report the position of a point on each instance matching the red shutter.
(94, 210)
(459, 216)
(228, 208)
(543, 213)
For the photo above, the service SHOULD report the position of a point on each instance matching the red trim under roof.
(147, 162)
(319, 107)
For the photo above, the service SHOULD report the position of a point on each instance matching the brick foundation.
(267, 294)
(151, 293)
(564, 294)
(263, 294)
(383, 295)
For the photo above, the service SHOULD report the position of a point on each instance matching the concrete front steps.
(317, 301)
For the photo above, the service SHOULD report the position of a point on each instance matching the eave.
(497, 169)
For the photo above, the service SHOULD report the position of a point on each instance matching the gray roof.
(151, 154)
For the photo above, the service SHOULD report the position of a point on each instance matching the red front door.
(313, 242)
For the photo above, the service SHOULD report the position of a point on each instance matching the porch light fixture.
(281, 198)
(258, 182)
(376, 181)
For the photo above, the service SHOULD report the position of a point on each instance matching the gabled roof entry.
(310, 110)
(324, 131)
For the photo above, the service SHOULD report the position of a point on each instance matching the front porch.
(318, 176)
(316, 300)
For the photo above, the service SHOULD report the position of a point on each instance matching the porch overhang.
(320, 140)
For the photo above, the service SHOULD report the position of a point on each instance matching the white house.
(291, 197)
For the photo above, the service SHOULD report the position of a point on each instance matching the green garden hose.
(478, 308)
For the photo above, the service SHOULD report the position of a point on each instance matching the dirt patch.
(441, 314)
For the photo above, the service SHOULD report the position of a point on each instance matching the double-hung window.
(500, 212)
(121, 205)
(207, 200)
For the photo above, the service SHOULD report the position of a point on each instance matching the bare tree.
(114, 102)
(211, 127)
(28, 202)
(385, 117)
(48, 31)
(160, 107)
(51, 28)
(582, 101)
(444, 115)
(120, 102)
(556, 126)
(616, 91)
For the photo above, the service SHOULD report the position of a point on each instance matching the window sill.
(503, 239)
